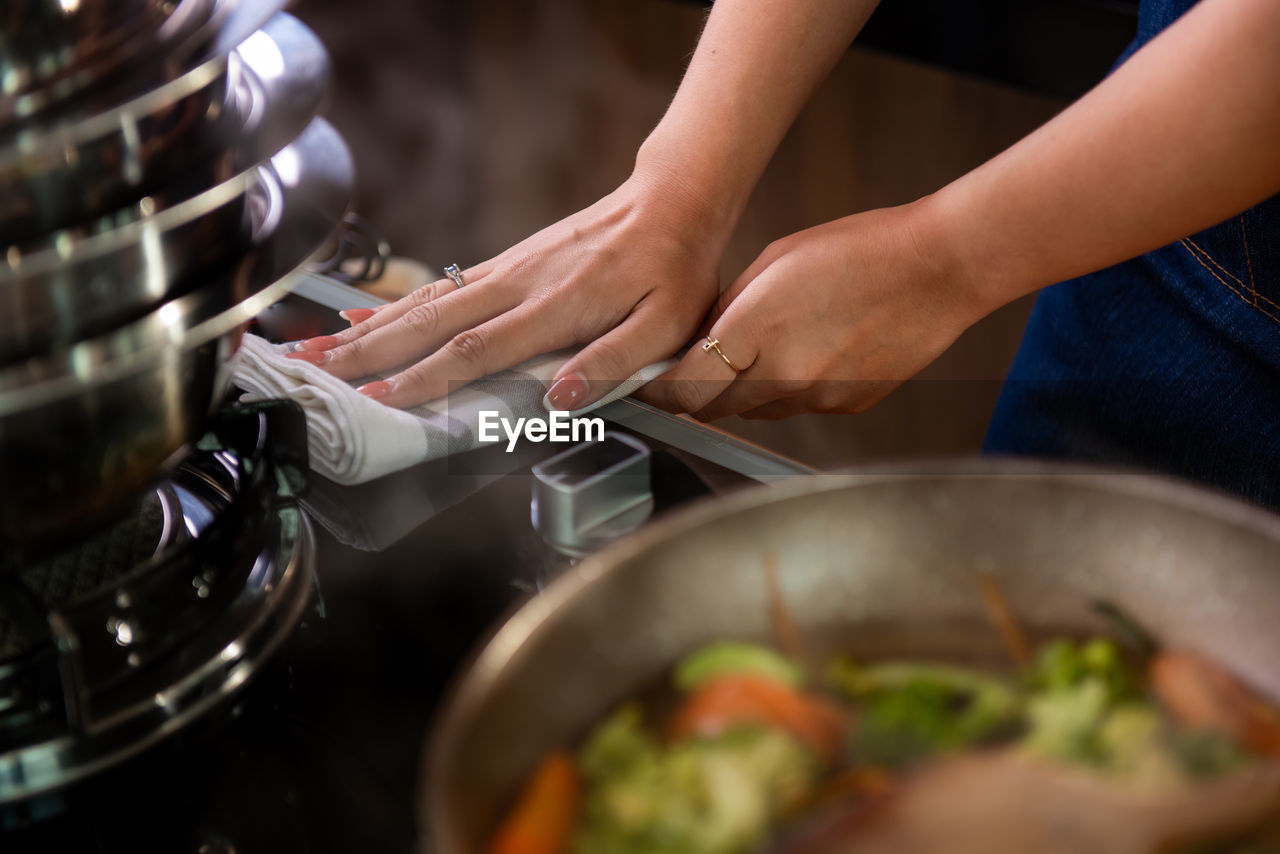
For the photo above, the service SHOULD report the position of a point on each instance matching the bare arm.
(1182, 136)
(755, 65)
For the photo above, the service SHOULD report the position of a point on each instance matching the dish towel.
(352, 438)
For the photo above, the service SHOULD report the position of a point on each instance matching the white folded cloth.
(353, 438)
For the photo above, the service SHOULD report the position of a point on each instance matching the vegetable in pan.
(914, 755)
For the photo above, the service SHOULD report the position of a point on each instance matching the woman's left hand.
(830, 319)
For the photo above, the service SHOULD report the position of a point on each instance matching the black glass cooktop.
(322, 752)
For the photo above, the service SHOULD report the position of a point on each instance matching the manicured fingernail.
(565, 394)
(357, 315)
(375, 389)
(320, 342)
(312, 356)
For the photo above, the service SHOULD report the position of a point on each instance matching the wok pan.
(84, 428)
(881, 563)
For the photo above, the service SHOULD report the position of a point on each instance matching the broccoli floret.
(1074, 688)
(1087, 708)
(618, 745)
(701, 796)
(910, 711)
(1062, 664)
(1064, 723)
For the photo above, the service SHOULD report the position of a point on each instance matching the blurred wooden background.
(474, 124)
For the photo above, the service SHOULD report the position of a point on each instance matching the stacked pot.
(163, 178)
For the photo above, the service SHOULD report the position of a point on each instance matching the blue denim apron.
(1170, 361)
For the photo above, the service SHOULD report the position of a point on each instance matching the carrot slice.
(736, 699)
(542, 820)
(1201, 693)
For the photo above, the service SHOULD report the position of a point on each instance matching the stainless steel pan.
(875, 564)
(82, 281)
(82, 429)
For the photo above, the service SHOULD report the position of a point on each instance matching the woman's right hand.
(630, 277)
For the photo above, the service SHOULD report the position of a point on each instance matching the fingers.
(354, 316)
(646, 336)
(364, 321)
(703, 374)
(704, 384)
(401, 333)
(704, 381)
(476, 352)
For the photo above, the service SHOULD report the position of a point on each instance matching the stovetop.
(323, 751)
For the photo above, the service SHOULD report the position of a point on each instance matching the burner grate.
(136, 632)
(89, 566)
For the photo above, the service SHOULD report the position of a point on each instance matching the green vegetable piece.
(905, 724)
(726, 657)
(1207, 753)
(1134, 746)
(1064, 722)
(701, 796)
(1084, 709)
(1062, 664)
(911, 710)
(1058, 666)
(618, 745)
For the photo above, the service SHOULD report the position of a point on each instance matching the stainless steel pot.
(83, 428)
(82, 281)
(91, 55)
(879, 563)
(43, 42)
(53, 52)
(225, 114)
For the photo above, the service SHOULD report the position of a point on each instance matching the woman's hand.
(631, 277)
(830, 319)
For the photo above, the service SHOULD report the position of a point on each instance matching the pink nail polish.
(320, 342)
(356, 315)
(312, 356)
(375, 389)
(566, 394)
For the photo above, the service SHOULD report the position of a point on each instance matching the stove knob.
(592, 493)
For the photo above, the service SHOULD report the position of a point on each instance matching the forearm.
(755, 65)
(1184, 135)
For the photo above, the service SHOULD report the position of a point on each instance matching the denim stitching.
(1256, 296)
(1188, 243)
(1235, 278)
(1244, 235)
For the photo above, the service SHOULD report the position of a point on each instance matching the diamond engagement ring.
(454, 273)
